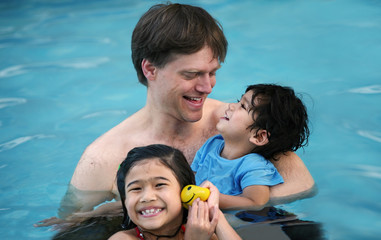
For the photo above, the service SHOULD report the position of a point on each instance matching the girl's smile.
(150, 212)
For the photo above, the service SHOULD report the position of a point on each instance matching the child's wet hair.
(280, 112)
(170, 157)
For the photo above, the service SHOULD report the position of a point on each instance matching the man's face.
(182, 85)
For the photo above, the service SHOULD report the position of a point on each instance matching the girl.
(149, 182)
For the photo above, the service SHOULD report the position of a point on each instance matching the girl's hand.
(199, 226)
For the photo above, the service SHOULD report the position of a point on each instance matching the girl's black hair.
(170, 157)
(283, 115)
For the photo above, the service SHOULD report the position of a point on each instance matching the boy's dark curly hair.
(283, 115)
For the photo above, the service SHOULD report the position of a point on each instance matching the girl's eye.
(134, 189)
(160, 185)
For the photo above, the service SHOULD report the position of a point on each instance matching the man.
(176, 50)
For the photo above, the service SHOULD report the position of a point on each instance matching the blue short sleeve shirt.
(232, 176)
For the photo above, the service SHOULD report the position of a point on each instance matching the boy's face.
(182, 85)
(236, 120)
(153, 197)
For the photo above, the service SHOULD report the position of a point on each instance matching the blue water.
(66, 77)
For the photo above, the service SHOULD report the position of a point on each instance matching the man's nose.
(205, 83)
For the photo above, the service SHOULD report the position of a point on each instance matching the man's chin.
(193, 117)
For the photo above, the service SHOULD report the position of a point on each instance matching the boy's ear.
(149, 70)
(259, 138)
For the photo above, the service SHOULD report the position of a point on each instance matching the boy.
(268, 120)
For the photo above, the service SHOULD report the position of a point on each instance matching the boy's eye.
(242, 105)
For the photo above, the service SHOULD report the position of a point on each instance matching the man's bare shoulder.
(116, 140)
(103, 157)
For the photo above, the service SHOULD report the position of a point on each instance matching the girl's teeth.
(151, 211)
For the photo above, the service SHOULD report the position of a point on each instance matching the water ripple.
(7, 102)
(29, 41)
(102, 113)
(78, 64)
(373, 89)
(368, 171)
(375, 136)
(15, 142)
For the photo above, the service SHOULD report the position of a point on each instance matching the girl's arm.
(223, 230)
(253, 196)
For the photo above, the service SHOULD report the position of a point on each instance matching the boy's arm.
(253, 196)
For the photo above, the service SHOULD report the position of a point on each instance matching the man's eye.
(190, 75)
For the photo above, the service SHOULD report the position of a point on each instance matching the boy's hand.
(214, 197)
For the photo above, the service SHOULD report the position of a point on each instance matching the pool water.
(66, 77)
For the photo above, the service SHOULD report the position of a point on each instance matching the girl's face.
(153, 197)
(234, 124)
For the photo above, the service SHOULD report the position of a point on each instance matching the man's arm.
(76, 200)
(91, 183)
(298, 182)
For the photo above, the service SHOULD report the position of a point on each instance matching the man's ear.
(259, 138)
(149, 70)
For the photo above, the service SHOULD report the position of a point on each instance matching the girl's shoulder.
(125, 235)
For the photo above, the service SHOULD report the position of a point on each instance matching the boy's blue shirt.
(232, 176)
